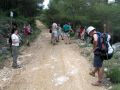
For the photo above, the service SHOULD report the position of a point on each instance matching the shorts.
(98, 61)
(66, 34)
(60, 33)
(54, 34)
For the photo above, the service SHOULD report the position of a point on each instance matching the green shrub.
(35, 33)
(114, 75)
(72, 34)
(116, 55)
(1, 61)
(116, 87)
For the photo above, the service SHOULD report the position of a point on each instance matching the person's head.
(69, 23)
(58, 24)
(14, 31)
(14, 25)
(90, 30)
(82, 27)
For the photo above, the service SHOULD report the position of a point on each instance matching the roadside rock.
(6, 75)
(116, 47)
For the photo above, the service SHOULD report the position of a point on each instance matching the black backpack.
(103, 45)
(10, 40)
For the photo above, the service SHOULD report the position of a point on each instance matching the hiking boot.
(98, 83)
(16, 67)
(92, 74)
(28, 44)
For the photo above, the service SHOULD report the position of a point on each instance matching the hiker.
(54, 35)
(15, 45)
(97, 41)
(67, 29)
(27, 33)
(82, 33)
(77, 32)
(14, 26)
(98, 61)
(59, 31)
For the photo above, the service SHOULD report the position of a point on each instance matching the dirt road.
(48, 67)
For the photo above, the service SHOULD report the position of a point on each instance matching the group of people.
(58, 32)
(64, 32)
(102, 48)
(15, 40)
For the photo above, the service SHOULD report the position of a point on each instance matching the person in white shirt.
(54, 36)
(15, 45)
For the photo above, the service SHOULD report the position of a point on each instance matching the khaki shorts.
(66, 34)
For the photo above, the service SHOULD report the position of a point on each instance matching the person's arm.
(95, 42)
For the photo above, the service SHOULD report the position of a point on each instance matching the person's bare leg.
(69, 41)
(65, 40)
(62, 37)
(93, 72)
(100, 74)
(100, 77)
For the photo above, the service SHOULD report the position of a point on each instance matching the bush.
(114, 75)
(1, 61)
(35, 33)
(116, 87)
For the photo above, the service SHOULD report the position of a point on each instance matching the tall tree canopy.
(24, 7)
(88, 12)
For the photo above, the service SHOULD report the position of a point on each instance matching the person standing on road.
(98, 61)
(82, 33)
(60, 33)
(15, 45)
(67, 28)
(54, 33)
(27, 33)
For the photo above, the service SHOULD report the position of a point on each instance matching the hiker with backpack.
(14, 26)
(67, 29)
(102, 51)
(27, 33)
(15, 44)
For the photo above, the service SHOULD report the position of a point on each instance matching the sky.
(46, 2)
(111, 1)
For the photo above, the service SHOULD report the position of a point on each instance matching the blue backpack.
(103, 46)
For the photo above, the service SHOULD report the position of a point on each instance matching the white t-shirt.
(15, 40)
(54, 26)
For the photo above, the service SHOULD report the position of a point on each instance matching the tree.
(23, 7)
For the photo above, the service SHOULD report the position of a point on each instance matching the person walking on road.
(60, 33)
(15, 45)
(67, 28)
(98, 61)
